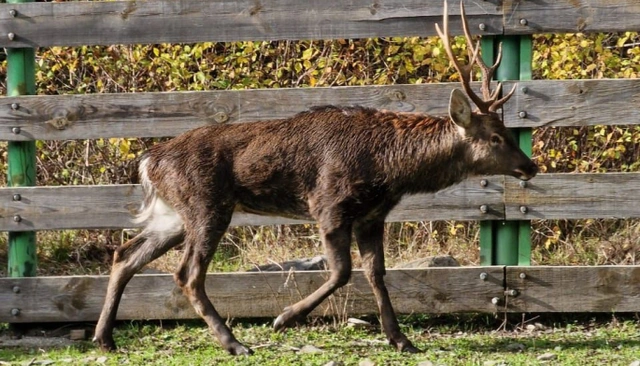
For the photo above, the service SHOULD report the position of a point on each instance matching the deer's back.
(287, 167)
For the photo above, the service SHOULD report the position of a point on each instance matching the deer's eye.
(496, 139)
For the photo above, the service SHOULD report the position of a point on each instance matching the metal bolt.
(15, 312)
(484, 183)
(482, 26)
(16, 130)
(524, 90)
(483, 276)
(484, 209)
(15, 106)
(523, 21)
(16, 289)
(17, 218)
(522, 114)
(523, 184)
(523, 275)
(495, 301)
(17, 197)
(524, 209)
(11, 36)
(513, 293)
(13, 12)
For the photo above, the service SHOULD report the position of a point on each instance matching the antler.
(489, 101)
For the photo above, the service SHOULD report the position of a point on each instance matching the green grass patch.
(445, 340)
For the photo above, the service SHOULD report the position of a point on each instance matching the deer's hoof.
(287, 319)
(410, 348)
(238, 349)
(106, 343)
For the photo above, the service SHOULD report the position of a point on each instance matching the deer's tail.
(150, 197)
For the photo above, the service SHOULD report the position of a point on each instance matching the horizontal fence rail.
(574, 289)
(547, 196)
(160, 21)
(574, 196)
(265, 294)
(573, 103)
(60, 117)
(113, 206)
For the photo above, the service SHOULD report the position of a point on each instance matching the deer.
(344, 167)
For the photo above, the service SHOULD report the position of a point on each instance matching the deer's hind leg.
(160, 235)
(201, 240)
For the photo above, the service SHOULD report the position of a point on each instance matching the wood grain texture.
(570, 16)
(62, 117)
(160, 21)
(574, 289)
(113, 206)
(574, 196)
(244, 295)
(574, 103)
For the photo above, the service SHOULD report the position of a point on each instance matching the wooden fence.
(499, 288)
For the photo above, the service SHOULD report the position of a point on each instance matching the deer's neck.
(430, 154)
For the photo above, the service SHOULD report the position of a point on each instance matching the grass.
(448, 340)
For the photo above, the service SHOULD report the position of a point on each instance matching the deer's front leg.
(369, 236)
(337, 242)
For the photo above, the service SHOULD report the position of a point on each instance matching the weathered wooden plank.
(126, 22)
(574, 289)
(61, 117)
(574, 196)
(570, 16)
(573, 103)
(112, 206)
(244, 295)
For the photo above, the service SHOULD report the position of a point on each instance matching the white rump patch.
(157, 214)
(163, 218)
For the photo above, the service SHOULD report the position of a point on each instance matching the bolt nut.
(15, 106)
(17, 218)
(11, 36)
(13, 12)
(523, 275)
(16, 289)
(495, 301)
(16, 130)
(16, 197)
(523, 184)
(482, 27)
(524, 209)
(484, 183)
(522, 114)
(523, 21)
(484, 209)
(483, 276)
(524, 90)
(513, 293)
(15, 312)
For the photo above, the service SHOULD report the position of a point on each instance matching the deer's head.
(494, 149)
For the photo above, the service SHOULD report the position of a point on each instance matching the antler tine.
(499, 103)
(464, 71)
(490, 102)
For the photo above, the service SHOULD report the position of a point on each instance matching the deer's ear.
(459, 108)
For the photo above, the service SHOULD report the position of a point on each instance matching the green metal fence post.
(21, 170)
(508, 242)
